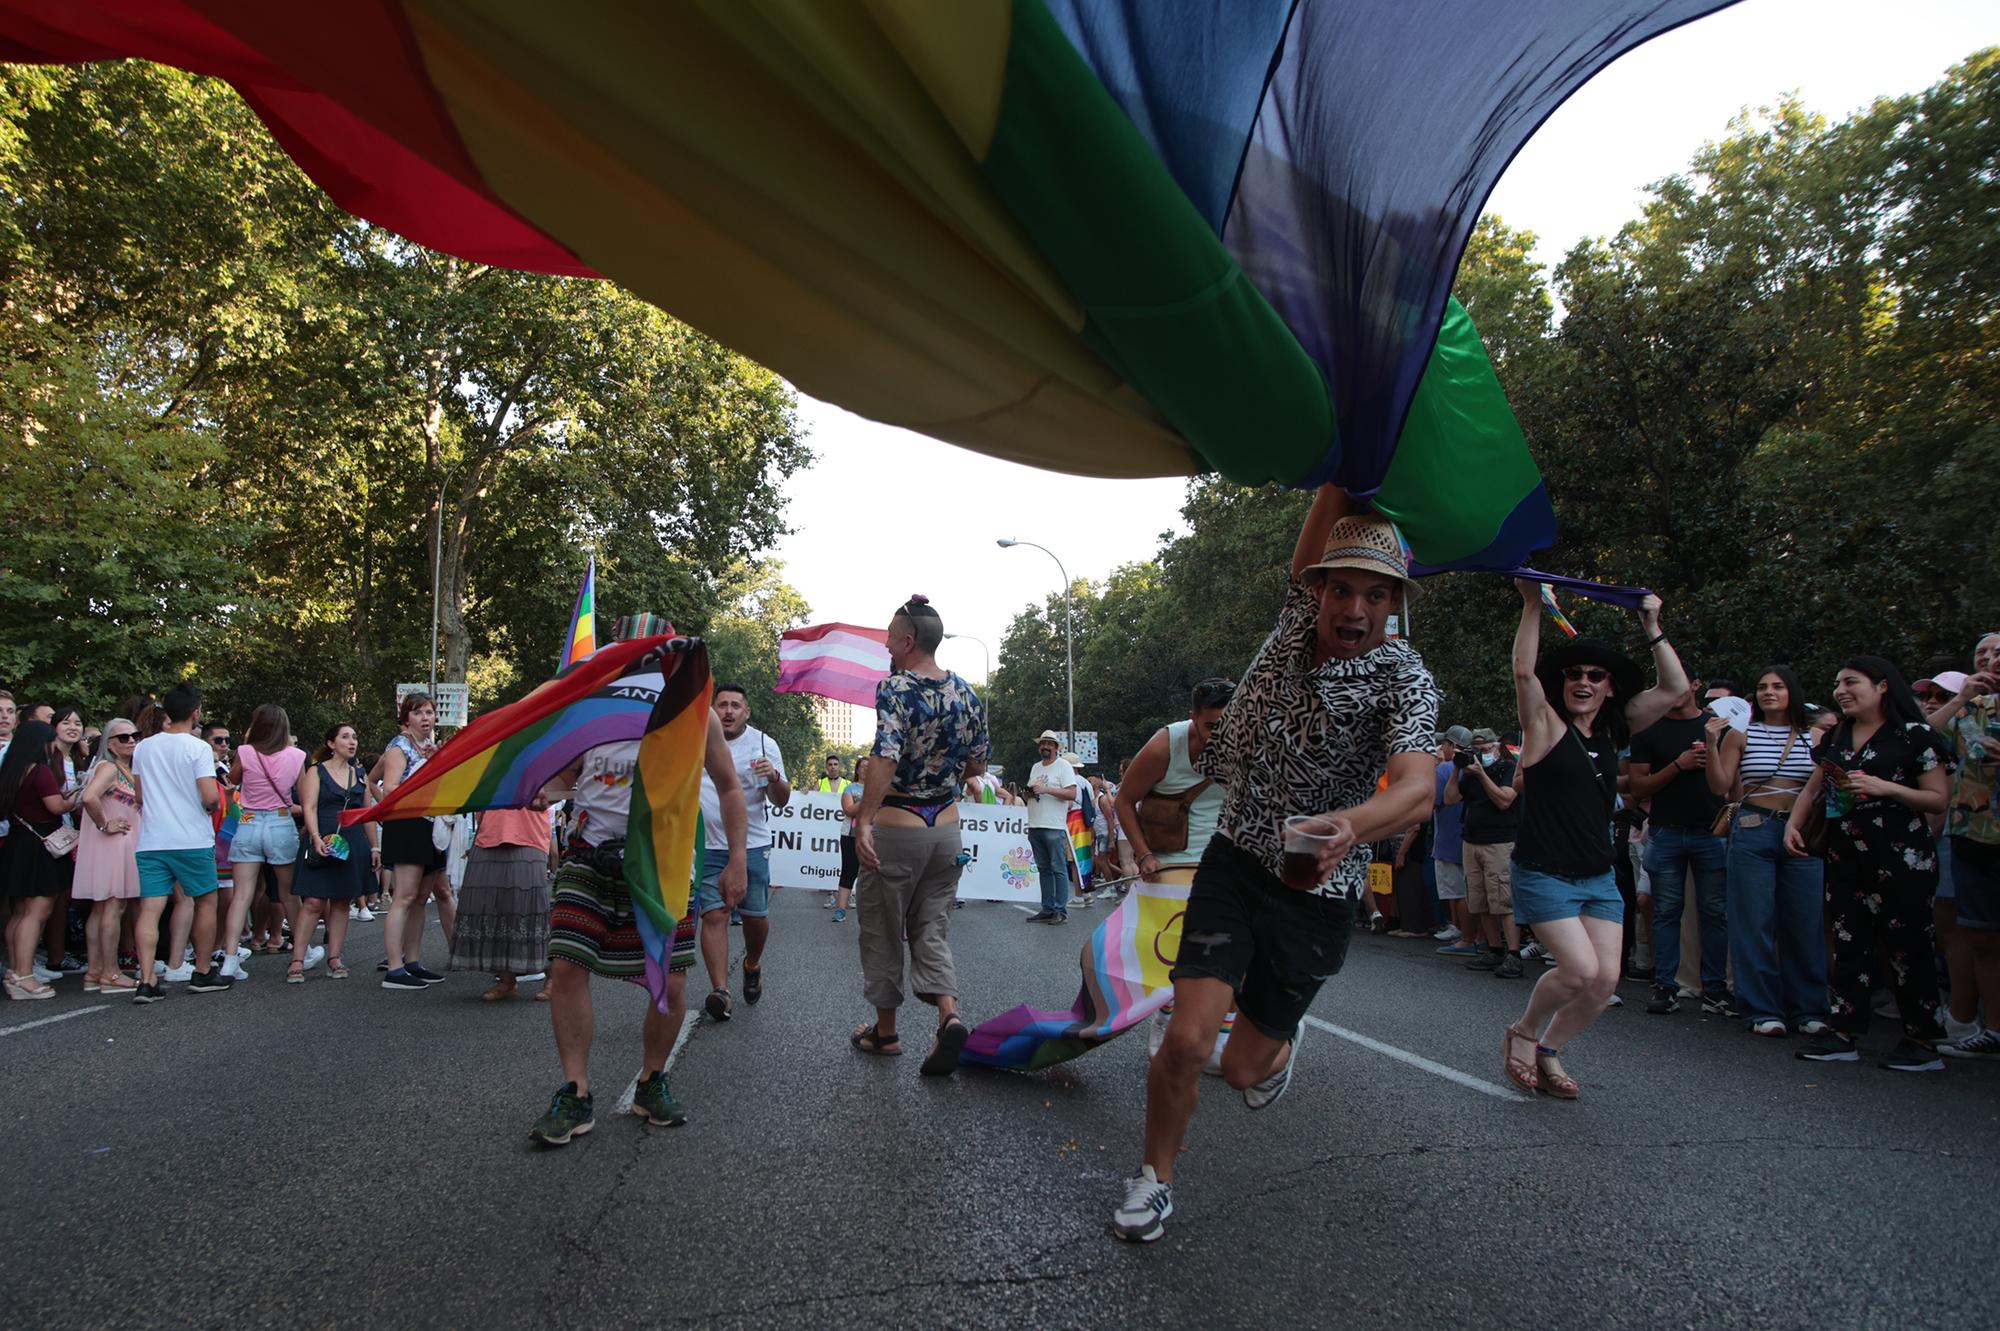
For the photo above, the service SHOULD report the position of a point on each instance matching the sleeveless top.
(412, 760)
(335, 799)
(1566, 803)
(1763, 746)
(1204, 812)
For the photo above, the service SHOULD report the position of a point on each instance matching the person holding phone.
(1881, 777)
(1670, 767)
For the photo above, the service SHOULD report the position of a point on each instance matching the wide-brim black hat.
(1626, 681)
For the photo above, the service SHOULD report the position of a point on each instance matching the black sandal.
(942, 1060)
(870, 1040)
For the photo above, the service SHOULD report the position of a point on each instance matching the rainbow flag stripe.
(582, 639)
(665, 826)
(505, 757)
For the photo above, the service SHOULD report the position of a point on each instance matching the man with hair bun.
(929, 728)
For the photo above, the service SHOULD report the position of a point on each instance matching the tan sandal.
(1519, 1070)
(1553, 1081)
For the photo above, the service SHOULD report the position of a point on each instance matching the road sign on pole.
(451, 700)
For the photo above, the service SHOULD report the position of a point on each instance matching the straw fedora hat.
(1370, 543)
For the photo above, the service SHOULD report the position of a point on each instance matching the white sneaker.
(1614, 1001)
(315, 954)
(180, 974)
(232, 966)
(243, 953)
(1533, 952)
(1266, 1092)
(366, 914)
(535, 978)
(1955, 1030)
(1142, 1216)
(353, 911)
(45, 975)
(1448, 934)
(1685, 992)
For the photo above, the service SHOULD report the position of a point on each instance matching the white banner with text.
(805, 848)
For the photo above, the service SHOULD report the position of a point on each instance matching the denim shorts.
(194, 870)
(756, 898)
(1975, 875)
(1541, 897)
(269, 836)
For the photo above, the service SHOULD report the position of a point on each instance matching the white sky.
(1582, 174)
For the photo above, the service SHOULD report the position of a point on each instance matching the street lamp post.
(984, 650)
(437, 569)
(1069, 624)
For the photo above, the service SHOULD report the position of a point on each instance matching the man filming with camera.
(1486, 786)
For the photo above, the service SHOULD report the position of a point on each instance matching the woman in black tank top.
(1578, 704)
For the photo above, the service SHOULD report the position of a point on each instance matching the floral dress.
(1881, 878)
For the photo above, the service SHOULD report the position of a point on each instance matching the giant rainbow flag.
(664, 828)
(1126, 962)
(1107, 237)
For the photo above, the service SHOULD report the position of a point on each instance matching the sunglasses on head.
(1594, 674)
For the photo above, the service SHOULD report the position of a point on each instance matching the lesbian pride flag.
(840, 661)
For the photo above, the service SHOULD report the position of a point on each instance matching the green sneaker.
(569, 1115)
(653, 1102)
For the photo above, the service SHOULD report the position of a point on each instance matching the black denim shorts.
(1272, 945)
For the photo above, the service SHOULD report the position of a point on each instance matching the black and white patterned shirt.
(1303, 740)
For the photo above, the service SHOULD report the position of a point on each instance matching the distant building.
(844, 725)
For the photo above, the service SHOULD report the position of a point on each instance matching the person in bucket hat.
(1327, 706)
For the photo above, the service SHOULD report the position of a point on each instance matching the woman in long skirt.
(503, 909)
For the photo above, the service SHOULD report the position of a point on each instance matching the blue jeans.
(1670, 853)
(1777, 947)
(1051, 847)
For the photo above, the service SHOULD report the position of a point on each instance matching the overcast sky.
(1584, 173)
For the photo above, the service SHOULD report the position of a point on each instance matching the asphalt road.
(336, 1154)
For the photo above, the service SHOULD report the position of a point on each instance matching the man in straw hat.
(1051, 789)
(1326, 705)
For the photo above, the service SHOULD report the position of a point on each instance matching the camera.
(1463, 758)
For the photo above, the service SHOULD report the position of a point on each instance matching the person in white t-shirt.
(760, 771)
(175, 774)
(1051, 789)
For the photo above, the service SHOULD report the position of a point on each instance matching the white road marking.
(1026, 910)
(60, 1016)
(1464, 1079)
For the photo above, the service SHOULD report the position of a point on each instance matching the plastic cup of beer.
(1305, 835)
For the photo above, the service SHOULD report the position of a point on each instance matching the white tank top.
(1207, 806)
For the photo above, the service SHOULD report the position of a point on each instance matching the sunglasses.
(123, 737)
(1594, 674)
(218, 739)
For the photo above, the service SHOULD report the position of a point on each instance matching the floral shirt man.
(930, 729)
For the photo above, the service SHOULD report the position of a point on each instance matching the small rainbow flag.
(582, 639)
(1127, 963)
(1081, 844)
(504, 758)
(665, 824)
(1555, 611)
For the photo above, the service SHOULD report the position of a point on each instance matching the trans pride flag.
(1126, 964)
(840, 661)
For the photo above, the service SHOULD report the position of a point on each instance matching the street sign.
(450, 699)
(1083, 743)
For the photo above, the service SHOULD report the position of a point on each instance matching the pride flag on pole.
(840, 661)
(1127, 963)
(582, 639)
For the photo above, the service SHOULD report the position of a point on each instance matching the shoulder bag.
(1726, 816)
(1163, 819)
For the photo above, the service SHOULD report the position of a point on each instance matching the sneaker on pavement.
(400, 979)
(1509, 968)
(1769, 1027)
(1830, 1049)
(1985, 1044)
(569, 1116)
(653, 1102)
(718, 1005)
(353, 911)
(1814, 1027)
(1266, 1092)
(1722, 1003)
(1148, 1203)
(1533, 952)
(1485, 961)
(1909, 1056)
(1687, 993)
(70, 966)
(417, 969)
(1460, 950)
(366, 914)
(148, 993)
(1448, 934)
(839, 915)
(753, 985)
(1614, 1001)
(234, 969)
(315, 954)
(211, 983)
(1060, 917)
(1040, 917)
(180, 974)
(45, 974)
(1663, 1001)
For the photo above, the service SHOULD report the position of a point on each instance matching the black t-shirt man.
(1486, 823)
(1685, 800)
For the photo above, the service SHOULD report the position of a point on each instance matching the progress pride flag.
(840, 661)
